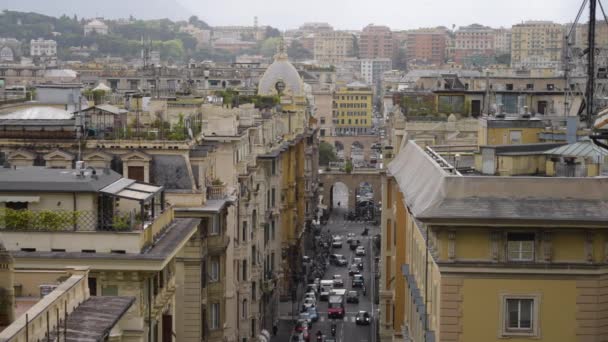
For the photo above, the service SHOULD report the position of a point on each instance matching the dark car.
(362, 318)
(358, 280)
(340, 260)
(354, 244)
(353, 270)
(358, 262)
(352, 297)
(333, 258)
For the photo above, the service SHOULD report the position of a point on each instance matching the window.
(272, 261)
(520, 246)
(272, 230)
(253, 291)
(244, 231)
(322, 132)
(244, 309)
(323, 121)
(214, 272)
(16, 205)
(509, 86)
(215, 316)
(273, 197)
(530, 86)
(109, 290)
(215, 225)
(274, 167)
(244, 268)
(520, 315)
(515, 137)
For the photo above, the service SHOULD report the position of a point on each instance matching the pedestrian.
(275, 328)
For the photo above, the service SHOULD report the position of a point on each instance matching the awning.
(129, 189)
(26, 199)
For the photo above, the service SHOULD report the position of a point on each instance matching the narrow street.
(347, 330)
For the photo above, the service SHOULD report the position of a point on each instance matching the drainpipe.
(150, 310)
(74, 211)
(426, 281)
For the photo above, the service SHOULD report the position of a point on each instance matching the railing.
(60, 220)
(51, 311)
(215, 192)
(158, 225)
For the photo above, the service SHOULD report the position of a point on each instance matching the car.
(338, 282)
(312, 288)
(336, 242)
(354, 269)
(362, 318)
(311, 295)
(360, 251)
(352, 297)
(330, 339)
(354, 244)
(305, 317)
(340, 260)
(333, 258)
(358, 280)
(306, 260)
(308, 303)
(350, 237)
(313, 314)
(358, 262)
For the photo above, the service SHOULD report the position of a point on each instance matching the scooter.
(333, 329)
(365, 232)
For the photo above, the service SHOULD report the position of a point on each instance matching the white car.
(350, 237)
(338, 281)
(360, 251)
(337, 242)
(310, 295)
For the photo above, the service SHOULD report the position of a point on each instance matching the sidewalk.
(284, 332)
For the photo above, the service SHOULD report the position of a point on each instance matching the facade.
(333, 47)
(474, 45)
(97, 26)
(247, 33)
(582, 30)
(43, 48)
(516, 267)
(352, 109)
(372, 70)
(376, 42)
(427, 46)
(537, 44)
(10, 50)
(502, 41)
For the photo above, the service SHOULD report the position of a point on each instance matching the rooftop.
(40, 179)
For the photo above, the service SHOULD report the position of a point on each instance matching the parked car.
(336, 242)
(358, 262)
(312, 288)
(313, 314)
(352, 297)
(353, 269)
(362, 318)
(360, 251)
(308, 303)
(310, 295)
(350, 237)
(306, 260)
(338, 282)
(303, 324)
(341, 260)
(358, 280)
(333, 258)
(354, 244)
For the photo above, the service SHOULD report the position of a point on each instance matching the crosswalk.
(349, 317)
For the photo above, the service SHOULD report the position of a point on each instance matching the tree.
(272, 32)
(327, 153)
(297, 51)
(269, 47)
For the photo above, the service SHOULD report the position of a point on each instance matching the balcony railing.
(58, 220)
(215, 192)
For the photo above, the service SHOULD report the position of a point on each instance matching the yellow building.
(353, 109)
(120, 228)
(537, 44)
(509, 130)
(486, 258)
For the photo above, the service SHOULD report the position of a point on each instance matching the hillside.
(112, 9)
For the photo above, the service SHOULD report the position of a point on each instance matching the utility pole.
(591, 63)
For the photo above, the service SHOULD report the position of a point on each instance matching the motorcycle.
(365, 232)
(333, 330)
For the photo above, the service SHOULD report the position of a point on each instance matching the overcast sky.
(397, 14)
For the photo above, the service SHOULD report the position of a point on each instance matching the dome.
(281, 70)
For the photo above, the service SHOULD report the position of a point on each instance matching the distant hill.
(110, 9)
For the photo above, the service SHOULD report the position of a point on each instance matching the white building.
(95, 25)
(41, 47)
(373, 69)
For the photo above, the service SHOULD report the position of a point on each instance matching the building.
(97, 26)
(502, 41)
(427, 46)
(352, 109)
(43, 48)
(10, 50)
(373, 69)
(118, 227)
(333, 47)
(582, 30)
(537, 44)
(376, 42)
(474, 45)
(501, 270)
(203, 37)
(41, 314)
(247, 33)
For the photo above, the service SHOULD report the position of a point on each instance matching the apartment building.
(376, 42)
(372, 70)
(502, 41)
(537, 44)
(427, 46)
(333, 47)
(43, 48)
(474, 45)
(525, 264)
(353, 109)
(582, 30)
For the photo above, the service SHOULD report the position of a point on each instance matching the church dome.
(281, 71)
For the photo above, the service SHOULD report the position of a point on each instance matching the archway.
(339, 195)
(365, 205)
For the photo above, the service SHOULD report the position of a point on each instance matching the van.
(326, 287)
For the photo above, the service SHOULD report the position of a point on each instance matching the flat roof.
(41, 179)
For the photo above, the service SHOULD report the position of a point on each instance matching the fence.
(57, 220)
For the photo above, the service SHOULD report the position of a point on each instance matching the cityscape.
(166, 177)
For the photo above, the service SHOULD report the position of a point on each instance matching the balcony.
(217, 244)
(216, 192)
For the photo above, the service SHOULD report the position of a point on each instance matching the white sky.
(397, 14)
